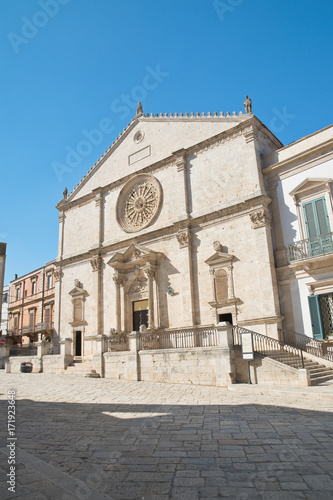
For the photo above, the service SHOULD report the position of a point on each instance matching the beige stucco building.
(170, 228)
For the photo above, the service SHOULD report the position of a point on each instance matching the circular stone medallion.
(139, 202)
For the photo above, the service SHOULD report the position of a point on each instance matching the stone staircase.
(318, 372)
(79, 367)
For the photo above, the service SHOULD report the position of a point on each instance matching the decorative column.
(118, 280)
(57, 308)
(96, 264)
(184, 240)
(150, 273)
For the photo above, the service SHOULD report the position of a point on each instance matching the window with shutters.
(317, 225)
(32, 318)
(47, 315)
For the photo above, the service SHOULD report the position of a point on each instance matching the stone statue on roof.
(248, 105)
(139, 109)
(65, 193)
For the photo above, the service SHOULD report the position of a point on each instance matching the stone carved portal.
(139, 203)
(134, 278)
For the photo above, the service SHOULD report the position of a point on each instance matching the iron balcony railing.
(311, 247)
(273, 348)
(15, 350)
(46, 326)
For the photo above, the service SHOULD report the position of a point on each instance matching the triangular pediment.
(76, 292)
(150, 139)
(133, 255)
(219, 258)
(310, 185)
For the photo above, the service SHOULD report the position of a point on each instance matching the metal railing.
(311, 247)
(276, 349)
(178, 338)
(315, 347)
(15, 350)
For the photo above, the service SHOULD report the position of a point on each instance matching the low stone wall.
(197, 365)
(121, 365)
(268, 371)
(15, 363)
(56, 363)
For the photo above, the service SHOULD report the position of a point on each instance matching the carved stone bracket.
(118, 279)
(57, 274)
(96, 263)
(260, 218)
(183, 237)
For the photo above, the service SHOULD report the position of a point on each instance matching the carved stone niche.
(78, 295)
(221, 273)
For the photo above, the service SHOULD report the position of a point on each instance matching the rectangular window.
(317, 226)
(47, 315)
(33, 287)
(17, 293)
(31, 318)
(49, 282)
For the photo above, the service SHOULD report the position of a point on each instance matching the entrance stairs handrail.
(267, 346)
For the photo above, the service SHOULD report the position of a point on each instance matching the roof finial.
(139, 109)
(65, 193)
(248, 105)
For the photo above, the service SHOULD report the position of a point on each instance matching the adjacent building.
(4, 311)
(300, 178)
(2, 272)
(31, 306)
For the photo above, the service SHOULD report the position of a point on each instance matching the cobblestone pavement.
(80, 438)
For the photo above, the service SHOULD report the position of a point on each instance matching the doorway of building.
(78, 343)
(140, 314)
(225, 317)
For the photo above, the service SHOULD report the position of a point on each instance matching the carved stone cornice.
(260, 218)
(180, 160)
(184, 237)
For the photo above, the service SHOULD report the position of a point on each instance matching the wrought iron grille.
(311, 247)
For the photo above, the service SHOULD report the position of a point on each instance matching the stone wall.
(16, 361)
(267, 371)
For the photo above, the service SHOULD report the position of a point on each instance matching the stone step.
(319, 380)
(321, 373)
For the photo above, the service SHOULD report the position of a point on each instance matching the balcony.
(45, 327)
(311, 247)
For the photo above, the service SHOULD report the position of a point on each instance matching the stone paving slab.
(106, 439)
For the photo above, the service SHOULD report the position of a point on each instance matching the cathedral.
(170, 229)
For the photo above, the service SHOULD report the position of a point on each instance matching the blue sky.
(73, 66)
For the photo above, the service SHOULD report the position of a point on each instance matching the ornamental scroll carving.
(139, 202)
(183, 237)
(260, 218)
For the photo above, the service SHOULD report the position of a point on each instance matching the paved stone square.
(80, 438)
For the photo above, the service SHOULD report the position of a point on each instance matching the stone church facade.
(171, 228)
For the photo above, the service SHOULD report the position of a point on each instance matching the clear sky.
(73, 66)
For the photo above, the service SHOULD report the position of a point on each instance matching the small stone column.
(66, 352)
(118, 281)
(150, 272)
(98, 357)
(226, 369)
(42, 347)
(133, 359)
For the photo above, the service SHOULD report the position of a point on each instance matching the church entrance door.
(140, 314)
(78, 343)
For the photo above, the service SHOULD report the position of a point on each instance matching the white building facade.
(299, 179)
(171, 228)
